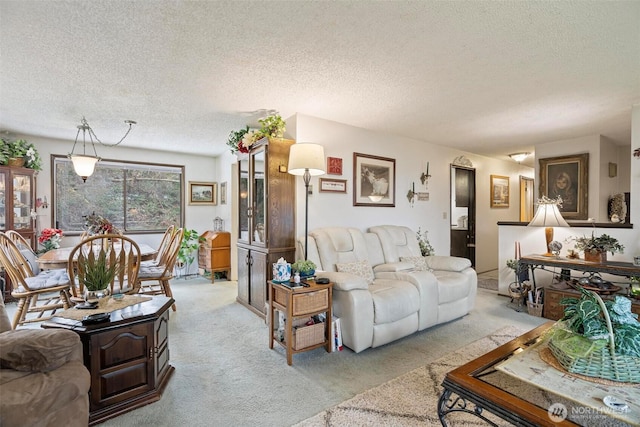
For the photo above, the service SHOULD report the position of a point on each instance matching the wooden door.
(463, 213)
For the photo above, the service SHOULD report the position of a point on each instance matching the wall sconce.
(411, 194)
(519, 157)
(424, 177)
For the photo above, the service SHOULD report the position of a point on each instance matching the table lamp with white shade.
(307, 160)
(548, 215)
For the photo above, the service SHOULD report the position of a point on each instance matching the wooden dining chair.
(155, 279)
(117, 249)
(19, 240)
(162, 253)
(36, 292)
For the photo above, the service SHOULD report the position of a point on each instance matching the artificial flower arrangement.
(96, 224)
(242, 140)
(50, 238)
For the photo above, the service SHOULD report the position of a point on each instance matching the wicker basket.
(307, 336)
(534, 309)
(602, 363)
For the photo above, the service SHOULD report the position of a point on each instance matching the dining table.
(59, 258)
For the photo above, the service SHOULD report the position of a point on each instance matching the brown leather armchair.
(43, 380)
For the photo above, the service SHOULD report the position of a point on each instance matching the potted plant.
(306, 268)
(189, 244)
(97, 275)
(598, 338)
(595, 248)
(20, 153)
(425, 247)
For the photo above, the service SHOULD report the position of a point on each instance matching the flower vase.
(599, 257)
(98, 297)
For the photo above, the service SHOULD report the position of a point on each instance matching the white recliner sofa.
(383, 288)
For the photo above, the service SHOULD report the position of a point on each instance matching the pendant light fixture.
(84, 164)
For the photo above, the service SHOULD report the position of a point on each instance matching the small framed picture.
(499, 191)
(202, 193)
(223, 193)
(334, 166)
(328, 185)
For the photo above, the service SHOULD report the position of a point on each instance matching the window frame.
(124, 164)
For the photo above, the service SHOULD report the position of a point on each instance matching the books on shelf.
(336, 333)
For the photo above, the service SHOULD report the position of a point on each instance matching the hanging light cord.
(84, 126)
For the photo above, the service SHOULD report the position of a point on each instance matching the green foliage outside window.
(135, 197)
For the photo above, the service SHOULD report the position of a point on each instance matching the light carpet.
(412, 398)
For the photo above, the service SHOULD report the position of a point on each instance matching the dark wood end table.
(128, 357)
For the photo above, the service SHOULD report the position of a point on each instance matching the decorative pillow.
(359, 268)
(419, 262)
(30, 350)
(31, 259)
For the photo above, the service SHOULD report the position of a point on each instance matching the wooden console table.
(615, 268)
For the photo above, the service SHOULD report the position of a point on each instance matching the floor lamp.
(548, 215)
(306, 160)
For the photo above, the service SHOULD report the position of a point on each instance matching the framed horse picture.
(374, 180)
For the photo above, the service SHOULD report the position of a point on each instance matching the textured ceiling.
(487, 77)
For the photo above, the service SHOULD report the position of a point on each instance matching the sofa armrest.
(36, 350)
(345, 281)
(447, 263)
(393, 267)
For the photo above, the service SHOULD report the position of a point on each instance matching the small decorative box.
(281, 271)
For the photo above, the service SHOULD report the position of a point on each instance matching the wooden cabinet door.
(121, 366)
(161, 346)
(258, 286)
(243, 275)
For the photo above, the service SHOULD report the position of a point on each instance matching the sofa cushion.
(36, 350)
(448, 263)
(360, 268)
(419, 262)
(452, 286)
(393, 300)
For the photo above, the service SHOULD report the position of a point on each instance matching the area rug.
(411, 399)
(491, 284)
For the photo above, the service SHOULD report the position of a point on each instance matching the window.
(135, 197)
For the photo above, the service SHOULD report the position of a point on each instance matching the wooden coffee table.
(466, 391)
(128, 357)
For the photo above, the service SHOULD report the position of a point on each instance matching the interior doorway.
(526, 199)
(463, 213)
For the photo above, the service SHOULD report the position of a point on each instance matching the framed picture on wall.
(202, 193)
(567, 177)
(223, 193)
(499, 191)
(374, 180)
(328, 185)
(334, 166)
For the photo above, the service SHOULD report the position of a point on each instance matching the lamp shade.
(548, 215)
(306, 157)
(84, 165)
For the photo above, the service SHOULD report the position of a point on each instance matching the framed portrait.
(328, 185)
(334, 166)
(499, 191)
(223, 193)
(567, 177)
(374, 180)
(202, 193)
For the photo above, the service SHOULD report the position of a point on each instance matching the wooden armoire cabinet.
(17, 201)
(266, 211)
